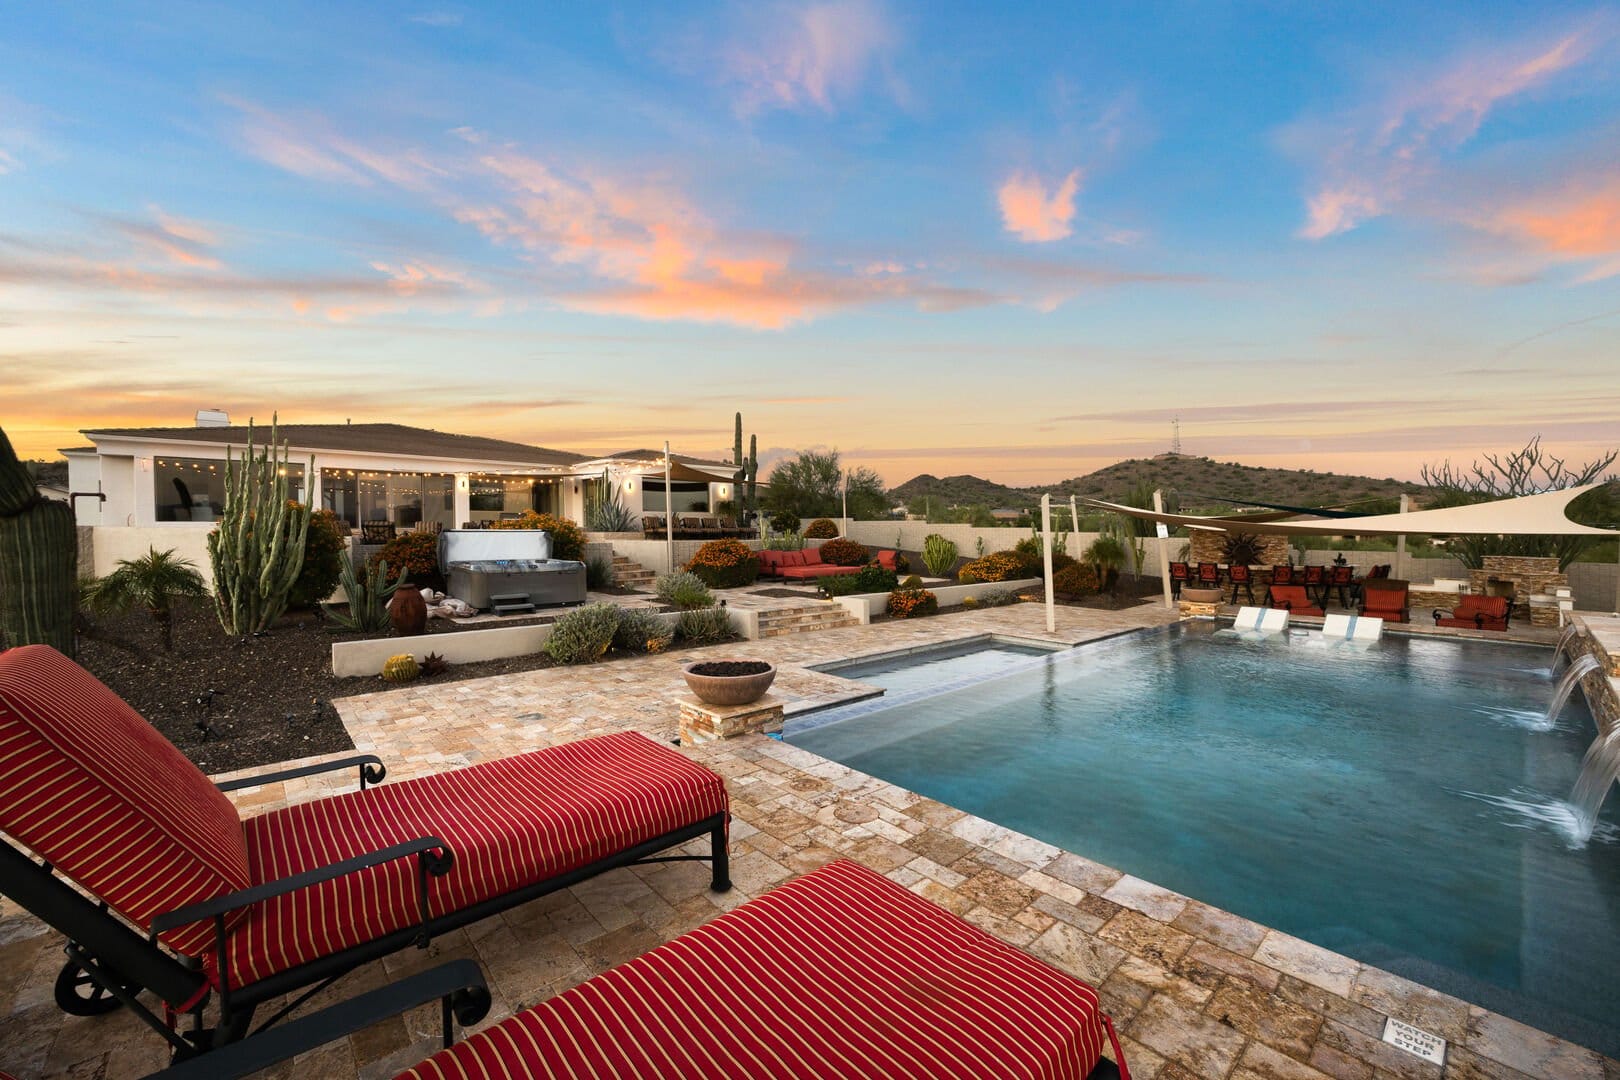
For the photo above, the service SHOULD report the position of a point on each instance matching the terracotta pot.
(407, 611)
(722, 689)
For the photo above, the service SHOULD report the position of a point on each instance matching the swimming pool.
(934, 667)
(1394, 803)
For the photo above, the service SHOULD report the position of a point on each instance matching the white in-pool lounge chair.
(1357, 628)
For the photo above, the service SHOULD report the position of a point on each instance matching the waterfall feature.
(1601, 765)
(1578, 669)
(1565, 640)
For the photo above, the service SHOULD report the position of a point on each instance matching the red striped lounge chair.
(200, 901)
(839, 974)
(1477, 613)
(1385, 598)
(1294, 600)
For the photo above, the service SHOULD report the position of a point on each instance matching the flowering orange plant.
(910, 603)
(841, 552)
(996, 566)
(725, 564)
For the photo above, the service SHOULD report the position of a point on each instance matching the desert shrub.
(911, 603)
(642, 631)
(912, 582)
(1076, 579)
(685, 591)
(725, 564)
(902, 565)
(567, 538)
(784, 521)
(705, 627)
(1060, 560)
(938, 554)
(996, 566)
(581, 636)
(324, 544)
(418, 553)
(598, 572)
(840, 552)
(869, 579)
(821, 529)
(996, 598)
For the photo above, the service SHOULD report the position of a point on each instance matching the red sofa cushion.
(792, 558)
(88, 785)
(822, 570)
(812, 556)
(769, 561)
(1493, 612)
(882, 983)
(509, 822)
(889, 560)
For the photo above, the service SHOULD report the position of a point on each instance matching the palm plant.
(153, 581)
(1107, 554)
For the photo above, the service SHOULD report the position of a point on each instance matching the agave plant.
(153, 581)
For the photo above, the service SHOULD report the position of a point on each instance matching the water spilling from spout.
(1599, 770)
(1578, 669)
(1561, 650)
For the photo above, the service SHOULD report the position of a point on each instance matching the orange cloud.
(1030, 214)
(1578, 224)
(1371, 158)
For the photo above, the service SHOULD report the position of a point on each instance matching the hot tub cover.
(841, 973)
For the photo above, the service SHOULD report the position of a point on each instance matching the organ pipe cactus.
(39, 555)
(258, 548)
(752, 502)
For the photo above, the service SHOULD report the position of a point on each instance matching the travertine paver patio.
(1197, 992)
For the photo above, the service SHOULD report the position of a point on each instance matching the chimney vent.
(213, 418)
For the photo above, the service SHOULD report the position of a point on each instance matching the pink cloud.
(1033, 215)
(1370, 159)
(1581, 224)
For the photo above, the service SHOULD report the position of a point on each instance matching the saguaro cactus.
(741, 475)
(258, 548)
(39, 555)
(753, 475)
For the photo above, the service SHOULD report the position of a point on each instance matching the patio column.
(462, 499)
(1046, 544)
(1400, 542)
(1163, 532)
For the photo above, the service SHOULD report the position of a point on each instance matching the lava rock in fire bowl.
(729, 682)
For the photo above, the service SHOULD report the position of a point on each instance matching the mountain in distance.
(1200, 483)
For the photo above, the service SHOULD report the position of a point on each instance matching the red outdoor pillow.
(887, 560)
(792, 558)
(812, 556)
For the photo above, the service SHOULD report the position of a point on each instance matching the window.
(492, 498)
(193, 489)
(407, 500)
(690, 496)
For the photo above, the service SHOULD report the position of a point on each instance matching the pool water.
(1394, 803)
(929, 669)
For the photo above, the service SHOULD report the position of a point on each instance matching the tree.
(812, 485)
(154, 581)
(1525, 472)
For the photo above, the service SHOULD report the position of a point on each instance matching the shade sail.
(1528, 515)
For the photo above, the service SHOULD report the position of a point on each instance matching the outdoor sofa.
(1477, 613)
(806, 564)
(1294, 600)
(188, 900)
(841, 973)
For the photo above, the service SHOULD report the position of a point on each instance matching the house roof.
(359, 438)
(658, 455)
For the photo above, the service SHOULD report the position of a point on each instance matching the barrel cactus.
(39, 558)
(401, 668)
(258, 548)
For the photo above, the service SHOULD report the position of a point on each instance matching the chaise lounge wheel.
(77, 994)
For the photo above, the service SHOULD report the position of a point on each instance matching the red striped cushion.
(510, 823)
(841, 973)
(90, 786)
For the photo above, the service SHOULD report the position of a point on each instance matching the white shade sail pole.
(843, 528)
(669, 515)
(1074, 524)
(1046, 543)
(1163, 532)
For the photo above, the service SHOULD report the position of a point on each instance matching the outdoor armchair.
(880, 981)
(1477, 613)
(1294, 600)
(200, 901)
(1385, 598)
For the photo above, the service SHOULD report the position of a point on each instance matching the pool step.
(629, 574)
(803, 619)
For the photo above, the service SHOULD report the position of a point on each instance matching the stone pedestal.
(1196, 603)
(703, 723)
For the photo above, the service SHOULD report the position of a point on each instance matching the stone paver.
(1197, 992)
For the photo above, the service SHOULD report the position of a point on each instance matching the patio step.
(630, 574)
(803, 619)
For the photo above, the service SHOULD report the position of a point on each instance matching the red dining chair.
(1314, 577)
(1180, 574)
(1343, 579)
(1209, 574)
(1282, 575)
(1239, 574)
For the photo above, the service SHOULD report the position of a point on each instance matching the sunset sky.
(939, 238)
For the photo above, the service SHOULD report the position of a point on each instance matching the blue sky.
(940, 238)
